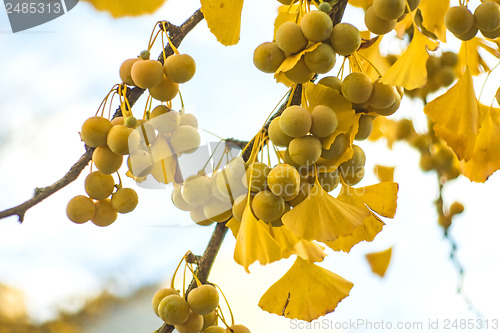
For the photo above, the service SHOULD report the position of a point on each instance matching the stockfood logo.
(26, 14)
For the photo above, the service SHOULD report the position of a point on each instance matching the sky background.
(54, 77)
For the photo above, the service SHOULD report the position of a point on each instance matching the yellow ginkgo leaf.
(433, 12)
(455, 115)
(305, 292)
(318, 94)
(469, 56)
(121, 8)
(376, 59)
(403, 25)
(485, 159)
(289, 63)
(310, 251)
(285, 14)
(136, 179)
(285, 239)
(379, 261)
(384, 173)
(384, 128)
(223, 19)
(254, 242)
(381, 197)
(234, 225)
(323, 218)
(409, 71)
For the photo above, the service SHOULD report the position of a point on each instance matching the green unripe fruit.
(365, 128)
(118, 139)
(98, 185)
(80, 209)
(459, 20)
(324, 121)
(305, 189)
(276, 135)
(105, 214)
(295, 121)
(388, 111)
(300, 73)
(491, 34)
(290, 39)
(124, 200)
(284, 180)
(161, 294)
(345, 39)
(389, 9)
(321, 60)
(179, 68)
(352, 179)
(174, 310)
(125, 69)
(331, 82)
(325, 7)
(95, 131)
(147, 73)
(376, 24)
(316, 26)
(203, 299)
(268, 206)
(130, 121)
(357, 87)
(336, 149)
(165, 91)
(144, 55)
(106, 161)
(487, 16)
(268, 57)
(305, 151)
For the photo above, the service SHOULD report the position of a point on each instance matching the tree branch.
(178, 34)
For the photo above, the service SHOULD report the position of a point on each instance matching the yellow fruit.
(238, 329)
(365, 128)
(468, 35)
(300, 73)
(456, 208)
(203, 299)
(185, 139)
(95, 131)
(329, 180)
(277, 136)
(305, 151)
(189, 120)
(229, 180)
(179, 202)
(198, 217)
(336, 149)
(98, 185)
(106, 161)
(210, 320)
(217, 210)
(459, 20)
(321, 60)
(165, 91)
(194, 324)
(147, 73)
(105, 214)
(256, 173)
(316, 26)
(118, 121)
(118, 139)
(324, 121)
(295, 121)
(239, 206)
(357, 87)
(196, 190)
(290, 38)
(80, 209)
(305, 189)
(383, 95)
(345, 39)
(161, 294)
(332, 82)
(125, 69)
(164, 120)
(215, 329)
(284, 180)
(174, 310)
(140, 163)
(389, 9)
(268, 57)
(376, 24)
(267, 206)
(180, 68)
(124, 200)
(487, 16)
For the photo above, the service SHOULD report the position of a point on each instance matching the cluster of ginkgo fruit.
(382, 16)
(152, 144)
(460, 21)
(315, 37)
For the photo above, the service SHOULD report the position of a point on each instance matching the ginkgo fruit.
(256, 176)
(161, 294)
(413, 4)
(445, 76)
(203, 299)
(104, 214)
(147, 73)
(284, 180)
(336, 149)
(345, 39)
(321, 60)
(305, 189)
(389, 110)
(179, 201)
(196, 190)
(290, 38)
(215, 329)
(278, 222)
(125, 69)
(231, 179)
(365, 127)
(487, 16)
(352, 171)
(239, 206)
(80, 209)
(210, 320)
(95, 131)
(165, 120)
(118, 121)
(316, 25)
(118, 139)
(295, 121)
(383, 95)
(179, 68)
(449, 58)
(268, 206)
(324, 121)
(185, 139)
(164, 91)
(268, 57)
(357, 87)
(238, 329)
(174, 310)
(497, 96)
(389, 9)
(140, 163)
(189, 119)
(491, 34)
(287, 2)
(456, 208)
(331, 82)
(217, 210)
(276, 135)
(329, 180)
(459, 20)
(193, 324)
(376, 24)
(198, 217)
(305, 151)
(300, 73)
(106, 161)
(469, 34)
(124, 200)
(98, 185)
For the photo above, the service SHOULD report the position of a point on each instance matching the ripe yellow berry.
(180, 68)
(290, 38)
(459, 20)
(174, 310)
(203, 299)
(124, 200)
(98, 185)
(268, 206)
(277, 136)
(80, 209)
(193, 324)
(268, 57)
(161, 294)
(147, 73)
(125, 69)
(316, 26)
(105, 214)
(106, 161)
(295, 121)
(118, 139)
(95, 130)
(284, 180)
(345, 39)
(165, 91)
